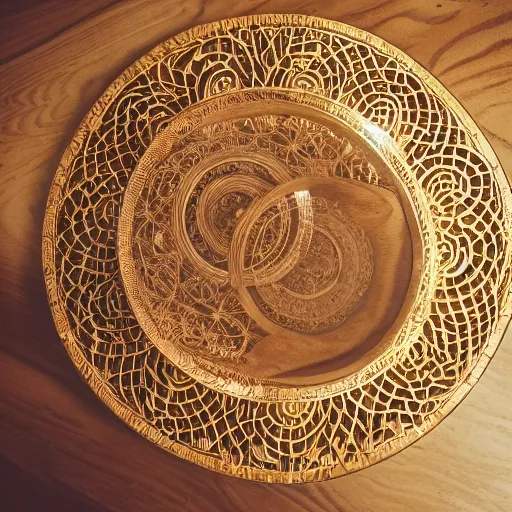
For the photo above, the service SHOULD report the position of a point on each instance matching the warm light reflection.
(378, 134)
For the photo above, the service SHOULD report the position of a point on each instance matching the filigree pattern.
(190, 216)
(464, 196)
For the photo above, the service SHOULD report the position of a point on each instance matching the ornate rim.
(105, 391)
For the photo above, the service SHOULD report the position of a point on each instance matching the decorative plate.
(277, 247)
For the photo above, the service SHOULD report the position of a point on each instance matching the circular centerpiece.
(267, 249)
(277, 247)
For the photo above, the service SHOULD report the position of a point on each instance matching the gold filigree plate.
(279, 248)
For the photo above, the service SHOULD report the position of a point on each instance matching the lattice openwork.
(195, 214)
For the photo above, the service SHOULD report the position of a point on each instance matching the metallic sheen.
(279, 248)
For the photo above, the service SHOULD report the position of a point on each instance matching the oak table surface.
(60, 447)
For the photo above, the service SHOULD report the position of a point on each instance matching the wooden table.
(60, 447)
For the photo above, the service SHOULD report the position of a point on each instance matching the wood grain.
(58, 443)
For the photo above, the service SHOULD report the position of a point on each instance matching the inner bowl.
(267, 247)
